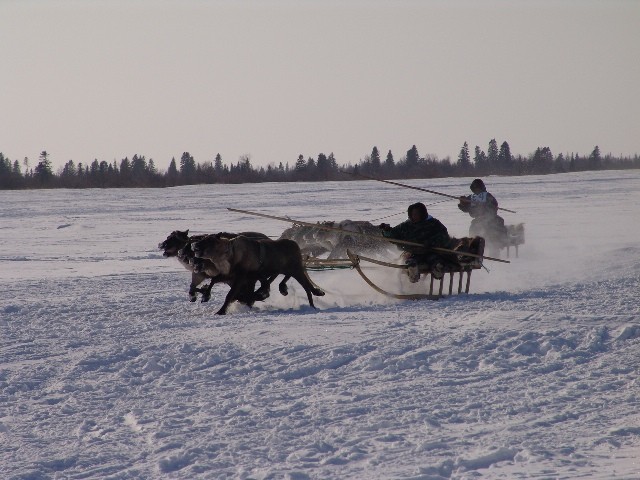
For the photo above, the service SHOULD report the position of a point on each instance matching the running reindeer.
(247, 260)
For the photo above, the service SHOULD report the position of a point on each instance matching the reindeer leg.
(242, 291)
(284, 290)
(234, 292)
(302, 279)
(265, 286)
(206, 291)
(246, 294)
(196, 279)
(225, 305)
(313, 288)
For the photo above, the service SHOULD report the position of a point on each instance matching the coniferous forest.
(140, 172)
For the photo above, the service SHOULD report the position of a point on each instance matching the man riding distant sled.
(486, 223)
(424, 229)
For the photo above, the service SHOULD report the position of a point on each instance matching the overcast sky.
(275, 79)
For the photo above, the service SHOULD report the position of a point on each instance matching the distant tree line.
(140, 172)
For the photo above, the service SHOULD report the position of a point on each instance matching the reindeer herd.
(239, 260)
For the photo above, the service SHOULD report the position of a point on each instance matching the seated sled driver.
(419, 228)
(483, 208)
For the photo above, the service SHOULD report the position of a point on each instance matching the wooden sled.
(460, 263)
(452, 265)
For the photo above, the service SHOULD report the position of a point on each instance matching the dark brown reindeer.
(247, 260)
(178, 245)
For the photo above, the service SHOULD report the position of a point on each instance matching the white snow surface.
(108, 371)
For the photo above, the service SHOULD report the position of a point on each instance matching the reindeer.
(247, 260)
(178, 245)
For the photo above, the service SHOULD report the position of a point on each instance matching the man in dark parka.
(421, 228)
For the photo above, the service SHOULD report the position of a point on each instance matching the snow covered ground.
(107, 371)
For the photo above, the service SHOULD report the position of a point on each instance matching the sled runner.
(462, 263)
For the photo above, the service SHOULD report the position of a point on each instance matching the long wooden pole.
(398, 184)
(325, 227)
(348, 232)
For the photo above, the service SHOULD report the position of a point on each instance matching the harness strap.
(230, 247)
(262, 254)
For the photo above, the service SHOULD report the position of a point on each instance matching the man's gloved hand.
(465, 204)
(384, 226)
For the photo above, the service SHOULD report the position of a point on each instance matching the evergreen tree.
(375, 160)
(542, 160)
(43, 171)
(103, 174)
(244, 164)
(17, 180)
(389, 162)
(412, 157)
(595, 160)
(5, 172)
(125, 167)
(464, 160)
(138, 165)
(69, 170)
(187, 168)
(206, 172)
(93, 174)
(492, 155)
(139, 170)
(365, 165)
(311, 166)
(125, 172)
(504, 157)
(333, 164)
(301, 165)
(172, 173)
(323, 167)
(480, 160)
(218, 164)
(173, 169)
